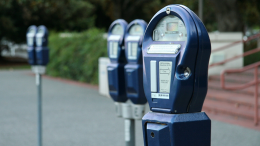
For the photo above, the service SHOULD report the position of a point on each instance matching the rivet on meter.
(168, 10)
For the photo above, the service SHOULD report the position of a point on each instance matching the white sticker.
(165, 72)
(133, 38)
(132, 51)
(164, 49)
(160, 95)
(127, 130)
(113, 48)
(114, 38)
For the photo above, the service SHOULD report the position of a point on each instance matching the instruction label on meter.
(165, 72)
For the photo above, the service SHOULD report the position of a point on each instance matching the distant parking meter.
(134, 67)
(30, 36)
(176, 50)
(42, 50)
(116, 53)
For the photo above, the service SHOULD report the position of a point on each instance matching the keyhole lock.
(187, 72)
(152, 134)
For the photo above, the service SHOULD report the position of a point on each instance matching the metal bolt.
(168, 10)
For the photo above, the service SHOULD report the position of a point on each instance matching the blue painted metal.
(42, 50)
(31, 47)
(189, 129)
(134, 68)
(116, 76)
(186, 95)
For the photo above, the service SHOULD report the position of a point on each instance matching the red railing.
(254, 82)
(255, 66)
(237, 42)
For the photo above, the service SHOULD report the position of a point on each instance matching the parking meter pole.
(39, 87)
(129, 132)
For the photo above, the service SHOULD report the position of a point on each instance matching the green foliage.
(76, 56)
(253, 57)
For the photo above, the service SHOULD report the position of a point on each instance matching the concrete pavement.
(78, 116)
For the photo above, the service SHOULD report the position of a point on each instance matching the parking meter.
(116, 53)
(30, 36)
(176, 50)
(134, 67)
(42, 50)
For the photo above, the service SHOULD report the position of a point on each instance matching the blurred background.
(75, 25)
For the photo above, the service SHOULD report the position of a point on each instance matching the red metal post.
(256, 95)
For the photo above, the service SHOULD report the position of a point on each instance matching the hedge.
(75, 55)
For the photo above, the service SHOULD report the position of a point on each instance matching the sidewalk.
(75, 115)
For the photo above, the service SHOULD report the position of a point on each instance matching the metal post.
(129, 132)
(256, 95)
(201, 10)
(38, 84)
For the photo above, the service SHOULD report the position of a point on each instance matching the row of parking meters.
(37, 42)
(125, 73)
(167, 64)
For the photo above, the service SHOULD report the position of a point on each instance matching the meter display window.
(136, 29)
(170, 28)
(117, 30)
(132, 50)
(113, 49)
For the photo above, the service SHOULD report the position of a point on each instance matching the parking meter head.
(176, 50)
(42, 50)
(42, 36)
(134, 67)
(116, 53)
(115, 41)
(133, 41)
(30, 37)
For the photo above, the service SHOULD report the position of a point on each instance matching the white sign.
(160, 95)
(165, 72)
(132, 50)
(164, 49)
(113, 48)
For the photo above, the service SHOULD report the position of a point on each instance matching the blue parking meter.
(30, 37)
(134, 68)
(116, 53)
(176, 50)
(42, 50)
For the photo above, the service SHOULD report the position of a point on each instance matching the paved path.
(78, 116)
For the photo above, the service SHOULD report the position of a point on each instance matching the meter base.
(39, 69)
(160, 129)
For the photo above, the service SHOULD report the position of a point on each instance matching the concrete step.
(235, 99)
(227, 109)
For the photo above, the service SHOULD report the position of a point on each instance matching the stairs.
(232, 106)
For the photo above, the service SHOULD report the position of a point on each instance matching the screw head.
(168, 10)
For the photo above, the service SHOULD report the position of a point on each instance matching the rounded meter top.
(42, 36)
(116, 34)
(133, 40)
(176, 50)
(30, 35)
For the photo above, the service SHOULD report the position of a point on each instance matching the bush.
(75, 55)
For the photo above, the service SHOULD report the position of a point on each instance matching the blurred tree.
(236, 15)
(17, 15)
